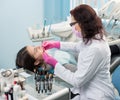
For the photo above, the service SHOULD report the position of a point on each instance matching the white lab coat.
(92, 78)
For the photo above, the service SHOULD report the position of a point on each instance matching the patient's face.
(36, 52)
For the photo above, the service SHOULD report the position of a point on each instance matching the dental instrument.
(43, 32)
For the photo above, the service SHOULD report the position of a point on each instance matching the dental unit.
(11, 87)
(43, 80)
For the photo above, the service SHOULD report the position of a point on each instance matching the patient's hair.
(89, 22)
(25, 60)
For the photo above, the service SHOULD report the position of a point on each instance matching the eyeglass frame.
(73, 23)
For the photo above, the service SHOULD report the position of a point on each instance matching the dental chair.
(115, 66)
(116, 81)
(115, 54)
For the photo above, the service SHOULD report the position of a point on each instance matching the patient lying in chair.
(30, 58)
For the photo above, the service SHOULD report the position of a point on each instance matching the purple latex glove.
(49, 59)
(51, 44)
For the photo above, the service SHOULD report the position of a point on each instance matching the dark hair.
(89, 22)
(24, 60)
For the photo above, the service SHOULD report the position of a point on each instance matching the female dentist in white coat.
(91, 80)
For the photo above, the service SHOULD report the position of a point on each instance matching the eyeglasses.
(73, 23)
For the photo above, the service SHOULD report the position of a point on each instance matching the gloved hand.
(48, 59)
(51, 44)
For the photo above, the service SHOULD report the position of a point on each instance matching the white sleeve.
(70, 46)
(87, 68)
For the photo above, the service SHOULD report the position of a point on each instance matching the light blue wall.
(56, 10)
(15, 17)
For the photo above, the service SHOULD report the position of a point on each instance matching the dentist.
(91, 80)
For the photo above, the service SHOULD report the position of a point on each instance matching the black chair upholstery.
(114, 64)
(115, 55)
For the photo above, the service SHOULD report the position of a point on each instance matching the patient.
(30, 58)
(27, 57)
